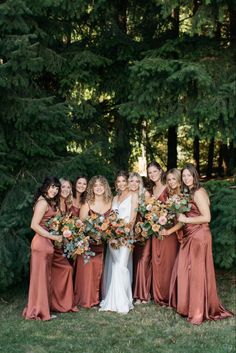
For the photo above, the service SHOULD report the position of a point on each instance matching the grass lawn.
(147, 328)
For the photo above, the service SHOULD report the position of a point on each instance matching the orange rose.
(144, 234)
(156, 228)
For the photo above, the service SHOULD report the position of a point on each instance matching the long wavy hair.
(196, 183)
(43, 189)
(177, 174)
(141, 189)
(69, 199)
(84, 194)
(163, 175)
(90, 197)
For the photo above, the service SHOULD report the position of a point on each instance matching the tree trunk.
(232, 24)
(172, 147)
(223, 159)
(220, 161)
(231, 167)
(196, 152)
(122, 148)
(210, 158)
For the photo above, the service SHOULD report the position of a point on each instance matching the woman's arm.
(39, 211)
(134, 206)
(167, 232)
(202, 201)
(84, 211)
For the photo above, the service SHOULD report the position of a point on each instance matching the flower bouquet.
(74, 240)
(121, 234)
(98, 227)
(178, 203)
(155, 217)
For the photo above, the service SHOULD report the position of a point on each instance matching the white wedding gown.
(117, 279)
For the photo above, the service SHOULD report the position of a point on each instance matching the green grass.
(147, 328)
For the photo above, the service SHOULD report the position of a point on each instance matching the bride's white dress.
(117, 279)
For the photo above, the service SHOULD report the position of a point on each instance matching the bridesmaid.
(45, 206)
(88, 276)
(164, 252)
(62, 271)
(142, 271)
(80, 188)
(193, 285)
(80, 191)
(173, 182)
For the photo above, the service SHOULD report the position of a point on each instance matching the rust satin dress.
(39, 297)
(193, 291)
(88, 276)
(62, 282)
(164, 253)
(142, 269)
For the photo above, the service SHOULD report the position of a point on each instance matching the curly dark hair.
(43, 189)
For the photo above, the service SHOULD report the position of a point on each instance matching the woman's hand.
(182, 218)
(57, 238)
(164, 232)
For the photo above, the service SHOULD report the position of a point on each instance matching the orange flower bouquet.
(155, 217)
(74, 240)
(121, 234)
(98, 227)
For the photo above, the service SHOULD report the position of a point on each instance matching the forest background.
(102, 85)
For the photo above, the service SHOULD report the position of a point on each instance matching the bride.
(117, 280)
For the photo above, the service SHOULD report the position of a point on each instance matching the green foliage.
(85, 86)
(223, 224)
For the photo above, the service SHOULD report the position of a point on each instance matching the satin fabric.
(62, 284)
(88, 276)
(75, 211)
(164, 253)
(142, 269)
(117, 279)
(193, 289)
(39, 297)
(117, 285)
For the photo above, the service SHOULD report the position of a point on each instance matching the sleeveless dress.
(193, 291)
(164, 253)
(142, 269)
(62, 284)
(117, 280)
(39, 297)
(88, 276)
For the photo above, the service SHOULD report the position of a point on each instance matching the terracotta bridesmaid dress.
(164, 253)
(88, 276)
(39, 297)
(142, 270)
(193, 291)
(62, 284)
(62, 281)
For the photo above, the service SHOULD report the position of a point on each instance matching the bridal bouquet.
(121, 234)
(74, 240)
(155, 216)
